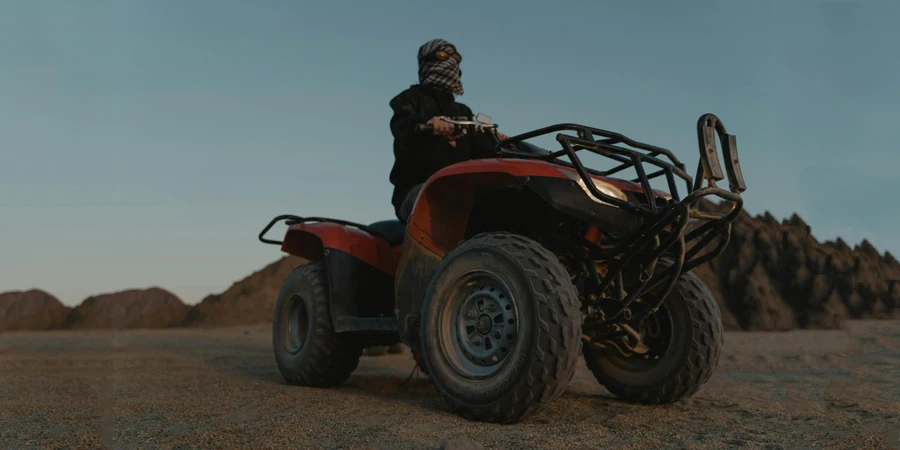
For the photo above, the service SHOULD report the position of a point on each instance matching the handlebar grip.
(424, 127)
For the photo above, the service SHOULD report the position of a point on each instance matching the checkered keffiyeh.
(444, 75)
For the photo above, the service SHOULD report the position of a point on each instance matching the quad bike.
(511, 268)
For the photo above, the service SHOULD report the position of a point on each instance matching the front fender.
(565, 196)
(445, 201)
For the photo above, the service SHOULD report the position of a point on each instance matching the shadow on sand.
(389, 378)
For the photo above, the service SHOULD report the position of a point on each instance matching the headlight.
(601, 186)
(607, 189)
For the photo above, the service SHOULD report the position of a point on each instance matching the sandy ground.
(220, 389)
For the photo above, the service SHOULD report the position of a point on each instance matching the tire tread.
(703, 356)
(558, 342)
(333, 357)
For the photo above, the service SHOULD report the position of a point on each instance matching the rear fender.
(312, 241)
(359, 267)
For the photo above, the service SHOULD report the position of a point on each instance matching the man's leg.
(406, 206)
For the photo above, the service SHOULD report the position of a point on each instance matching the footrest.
(351, 323)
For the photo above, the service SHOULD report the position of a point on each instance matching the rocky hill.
(30, 310)
(251, 300)
(135, 308)
(772, 276)
(776, 276)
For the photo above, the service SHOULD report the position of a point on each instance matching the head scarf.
(444, 75)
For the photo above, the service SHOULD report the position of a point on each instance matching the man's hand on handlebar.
(440, 127)
(453, 129)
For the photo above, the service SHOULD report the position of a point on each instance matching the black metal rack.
(707, 126)
(290, 219)
(656, 217)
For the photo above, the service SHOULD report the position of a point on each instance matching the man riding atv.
(417, 155)
(511, 262)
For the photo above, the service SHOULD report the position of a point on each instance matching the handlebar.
(478, 126)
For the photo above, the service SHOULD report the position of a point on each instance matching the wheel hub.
(485, 328)
(294, 323)
(648, 344)
(484, 324)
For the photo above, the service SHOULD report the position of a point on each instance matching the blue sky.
(145, 143)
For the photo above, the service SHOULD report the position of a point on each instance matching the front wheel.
(501, 328)
(684, 339)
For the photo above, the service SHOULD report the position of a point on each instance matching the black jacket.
(418, 155)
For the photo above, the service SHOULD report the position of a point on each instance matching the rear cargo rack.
(291, 220)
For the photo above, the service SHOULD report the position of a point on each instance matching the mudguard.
(439, 219)
(360, 270)
(313, 241)
(445, 201)
(438, 223)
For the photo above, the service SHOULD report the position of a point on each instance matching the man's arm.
(405, 119)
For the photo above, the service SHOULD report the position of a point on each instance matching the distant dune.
(31, 310)
(135, 308)
(772, 276)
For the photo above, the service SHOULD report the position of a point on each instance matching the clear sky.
(146, 143)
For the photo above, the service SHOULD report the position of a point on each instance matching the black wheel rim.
(478, 325)
(294, 324)
(657, 333)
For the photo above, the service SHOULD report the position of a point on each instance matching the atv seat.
(393, 230)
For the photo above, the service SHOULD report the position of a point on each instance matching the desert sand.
(219, 388)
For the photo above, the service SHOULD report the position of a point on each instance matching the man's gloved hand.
(502, 136)
(441, 128)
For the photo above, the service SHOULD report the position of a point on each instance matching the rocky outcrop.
(31, 310)
(777, 276)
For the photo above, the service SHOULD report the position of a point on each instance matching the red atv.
(512, 267)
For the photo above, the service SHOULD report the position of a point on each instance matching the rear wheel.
(684, 339)
(307, 350)
(501, 328)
